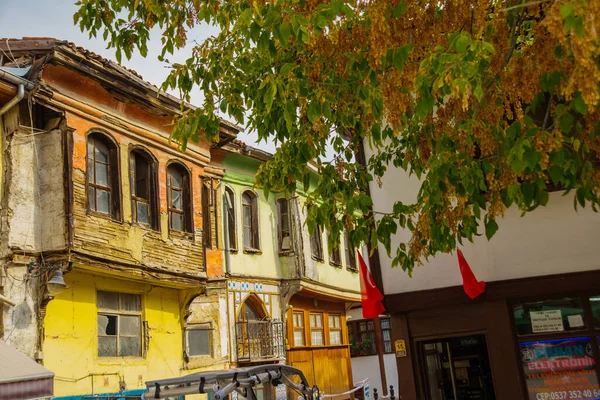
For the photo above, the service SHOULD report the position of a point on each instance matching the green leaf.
(424, 106)
(400, 9)
(462, 43)
(566, 11)
(400, 56)
(285, 30)
(579, 105)
(314, 110)
(287, 68)
(566, 123)
(491, 227)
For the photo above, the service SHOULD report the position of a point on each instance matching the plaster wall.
(554, 239)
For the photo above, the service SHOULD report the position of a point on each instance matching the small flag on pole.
(472, 286)
(372, 298)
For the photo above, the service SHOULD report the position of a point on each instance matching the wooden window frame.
(254, 226)
(335, 255)
(335, 329)
(205, 326)
(153, 196)
(321, 329)
(113, 176)
(298, 328)
(186, 191)
(316, 244)
(284, 216)
(118, 313)
(358, 337)
(232, 223)
(350, 253)
(208, 207)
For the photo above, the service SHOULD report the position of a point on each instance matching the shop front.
(531, 339)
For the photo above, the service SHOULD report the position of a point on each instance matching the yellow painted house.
(95, 193)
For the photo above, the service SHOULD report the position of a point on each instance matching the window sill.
(336, 265)
(318, 259)
(232, 251)
(286, 253)
(108, 217)
(352, 269)
(145, 227)
(136, 360)
(253, 251)
(180, 235)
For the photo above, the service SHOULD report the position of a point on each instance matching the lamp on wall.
(56, 284)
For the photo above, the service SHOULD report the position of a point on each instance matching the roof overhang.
(324, 291)
(21, 377)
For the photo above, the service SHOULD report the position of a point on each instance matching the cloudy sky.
(54, 18)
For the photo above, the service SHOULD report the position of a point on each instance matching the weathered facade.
(93, 188)
(276, 287)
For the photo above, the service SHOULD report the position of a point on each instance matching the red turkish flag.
(472, 286)
(369, 293)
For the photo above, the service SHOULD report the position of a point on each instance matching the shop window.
(103, 190)
(230, 215)
(334, 255)
(559, 315)
(119, 325)
(179, 198)
(143, 184)
(198, 339)
(316, 329)
(298, 328)
(559, 347)
(386, 335)
(285, 238)
(350, 253)
(316, 243)
(250, 221)
(335, 329)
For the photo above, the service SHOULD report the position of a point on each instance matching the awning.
(21, 377)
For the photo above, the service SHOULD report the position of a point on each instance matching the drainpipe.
(22, 85)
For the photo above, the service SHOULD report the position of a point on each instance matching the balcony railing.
(259, 340)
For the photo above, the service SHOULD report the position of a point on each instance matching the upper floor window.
(231, 228)
(285, 238)
(179, 198)
(350, 253)
(119, 324)
(144, 194)
(103, 176)
(334, 255)
(250, 220)
(316, 243)
(208, 211)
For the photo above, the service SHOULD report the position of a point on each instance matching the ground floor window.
(558, 342)
(197, 340)
(119, 324)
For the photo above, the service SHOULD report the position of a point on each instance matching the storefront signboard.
(546, 321)
(560, 369)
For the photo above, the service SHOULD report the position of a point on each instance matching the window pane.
(141, 177)
(130, 302)
(386, 335)
(129, 346)
(176, 199)
(107, 346)
(316, 338)
(107, 325)
(176, 221)
(595, 302)
(198, 342)
(387, 347)
(101, 153)
(247, 237)
(176, 178)
(385, 324)
(298, 320)
(102, 174)
(335, 337)
(90, 169)
(298, 338)
(92, 198)
(129, 325)
(143, 213)
(103, 201)
(108, 300)
(557, 315)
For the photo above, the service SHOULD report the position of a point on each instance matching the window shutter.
(187, 203)
(255, 226)
(114, 183)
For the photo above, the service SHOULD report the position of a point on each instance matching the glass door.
(456, 368)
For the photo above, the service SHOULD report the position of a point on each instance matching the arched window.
(230, 228)
(250, 221)
(179, 198)
(144, 193)
(103, 190)
(285, 237)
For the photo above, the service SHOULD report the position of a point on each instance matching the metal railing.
(259, 340)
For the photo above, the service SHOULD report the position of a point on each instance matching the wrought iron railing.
(259, 340)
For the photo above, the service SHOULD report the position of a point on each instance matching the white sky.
(54, 18)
